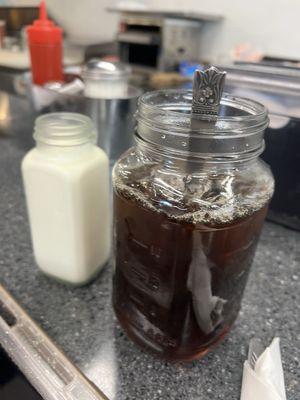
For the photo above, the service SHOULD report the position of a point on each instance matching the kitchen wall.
(84, 21)
(271, 26)
(18, 3)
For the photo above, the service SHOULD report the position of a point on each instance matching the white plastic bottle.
(66, 181)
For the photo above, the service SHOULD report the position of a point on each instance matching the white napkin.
(265, 381)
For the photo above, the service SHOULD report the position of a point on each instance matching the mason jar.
(189, 204)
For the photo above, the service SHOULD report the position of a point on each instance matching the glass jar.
(105, 79)
(66, 182)
(189, 206)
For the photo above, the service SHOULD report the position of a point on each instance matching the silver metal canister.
(113, 118)
(114, 122)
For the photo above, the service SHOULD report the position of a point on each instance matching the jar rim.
(64, 129)
(164, 119)
(246, 105)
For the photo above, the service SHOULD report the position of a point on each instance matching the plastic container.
(190, 201)
(45, 45)
(66, 181)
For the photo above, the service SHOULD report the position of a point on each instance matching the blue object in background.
(187, 68)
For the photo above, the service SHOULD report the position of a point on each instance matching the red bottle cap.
(44, 31)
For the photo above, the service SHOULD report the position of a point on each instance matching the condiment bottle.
(66, 181)
(190, 199)
(105, 79)
(45, 45)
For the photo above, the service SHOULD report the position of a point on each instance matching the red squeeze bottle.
(45, 44)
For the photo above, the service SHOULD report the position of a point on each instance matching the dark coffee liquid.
(177, 285)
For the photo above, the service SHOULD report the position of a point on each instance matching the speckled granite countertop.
(81, 320)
